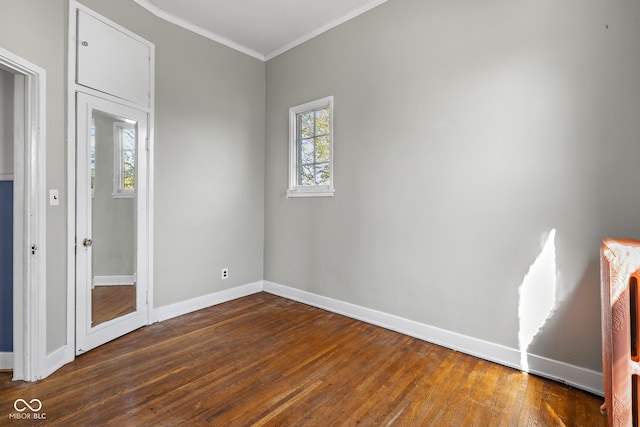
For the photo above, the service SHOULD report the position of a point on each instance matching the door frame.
(72, 89)
(29, 227)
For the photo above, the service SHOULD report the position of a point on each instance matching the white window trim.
(93, 166)
(118, 167)
(296, 190)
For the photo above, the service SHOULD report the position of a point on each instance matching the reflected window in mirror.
(124, 174)
(92, 155)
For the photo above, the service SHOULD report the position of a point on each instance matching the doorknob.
(87, 242)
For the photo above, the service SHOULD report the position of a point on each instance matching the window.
(311, 149)
(92, 156)
(124, 173)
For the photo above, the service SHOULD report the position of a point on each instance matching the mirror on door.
(111, 221)
(112, 157)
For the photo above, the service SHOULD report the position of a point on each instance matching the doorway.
(23, 175)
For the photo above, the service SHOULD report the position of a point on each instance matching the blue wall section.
(6, 266)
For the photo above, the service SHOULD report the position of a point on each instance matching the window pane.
(322, 174)
(128, 159)
(128, 139)
(322, 149)
(306, 124)
(306, 175)
(306, 151)
(322, 122)
(129, 171)
(92, 154)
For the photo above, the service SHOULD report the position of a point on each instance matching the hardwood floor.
(110, 302)
(265, 360)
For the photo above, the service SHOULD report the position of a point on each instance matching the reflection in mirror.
(113, 152)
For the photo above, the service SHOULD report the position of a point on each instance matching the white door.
(111, 231)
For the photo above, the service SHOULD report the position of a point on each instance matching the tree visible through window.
(124, 159)
(128, 159)
(92, 155)
(314, 142)
(310, 148)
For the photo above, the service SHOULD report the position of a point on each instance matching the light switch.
(54, 199)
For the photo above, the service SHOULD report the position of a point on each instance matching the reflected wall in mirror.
(113, 149)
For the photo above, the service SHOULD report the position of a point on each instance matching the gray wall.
(6, 122)
(464, 132)
(113, 219)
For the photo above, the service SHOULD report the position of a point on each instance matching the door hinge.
(147, 144)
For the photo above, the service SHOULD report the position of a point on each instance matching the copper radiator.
(620, 270)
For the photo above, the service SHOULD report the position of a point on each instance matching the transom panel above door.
(112, 61)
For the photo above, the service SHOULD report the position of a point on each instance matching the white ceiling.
(260, 28)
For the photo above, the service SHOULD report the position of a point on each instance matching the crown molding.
(340, 20)
(169, 17)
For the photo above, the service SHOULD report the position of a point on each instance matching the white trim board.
(582, 378)
(6, 360)
(178, 309)
(576, 376)
(29, 220)
(57, 359)
(114, 280)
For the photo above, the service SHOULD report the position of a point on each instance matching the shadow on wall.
(575, 322)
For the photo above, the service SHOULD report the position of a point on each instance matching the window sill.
(123, 195)
(310, 192)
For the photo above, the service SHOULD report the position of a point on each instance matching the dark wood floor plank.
(267, 361)
(111, 302)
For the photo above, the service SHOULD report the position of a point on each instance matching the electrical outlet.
(225, 273)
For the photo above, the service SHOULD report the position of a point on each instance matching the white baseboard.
(57, 359)
(6, 360)
(576, 376)
(184, 307)
(114, 280)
